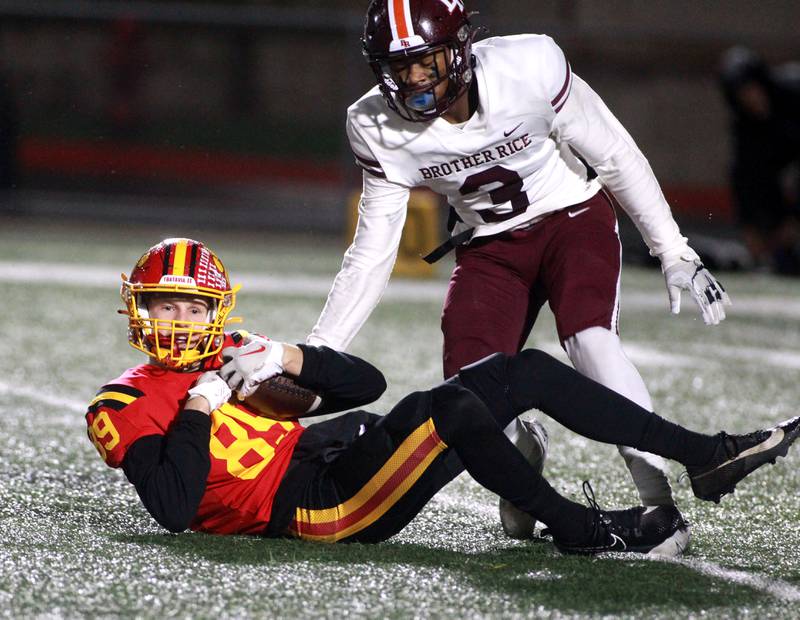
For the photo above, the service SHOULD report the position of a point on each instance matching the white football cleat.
(530, 438)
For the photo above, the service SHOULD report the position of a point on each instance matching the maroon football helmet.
(435, 33)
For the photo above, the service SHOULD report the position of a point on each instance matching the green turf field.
(76, 542)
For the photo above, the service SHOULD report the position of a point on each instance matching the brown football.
(281, 398)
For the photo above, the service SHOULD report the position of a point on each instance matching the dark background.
(237, 108)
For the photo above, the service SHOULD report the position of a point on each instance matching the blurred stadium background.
(234, 110)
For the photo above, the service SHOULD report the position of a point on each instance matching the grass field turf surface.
(75, 540)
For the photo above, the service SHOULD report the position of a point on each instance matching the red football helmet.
(178, 267)
(401, 33)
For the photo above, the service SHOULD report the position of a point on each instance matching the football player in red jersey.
(504, 130)
(202, 459)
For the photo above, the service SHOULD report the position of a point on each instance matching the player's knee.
(491, 365)
(458, 413)
(597, 352)
(532, 363)
(532, 374)
(520, 377)
(486, 377)
(453, 400)
(532, 358)
(594, 342)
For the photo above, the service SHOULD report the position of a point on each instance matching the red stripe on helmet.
(398, 9)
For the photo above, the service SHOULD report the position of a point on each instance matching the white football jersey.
(507, 166)
(500, 169)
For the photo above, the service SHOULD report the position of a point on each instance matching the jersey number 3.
(509, 190)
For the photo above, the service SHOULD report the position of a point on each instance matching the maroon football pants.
(570, 259)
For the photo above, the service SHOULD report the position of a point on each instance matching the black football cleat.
(653, 530)
(739, 455)
(603, 535)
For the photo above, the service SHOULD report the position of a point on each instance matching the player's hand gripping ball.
(247, 366)
(254, 370)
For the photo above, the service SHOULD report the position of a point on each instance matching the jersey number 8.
(245, 456)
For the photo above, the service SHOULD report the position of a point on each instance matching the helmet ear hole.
(143, 304)
(212, 311)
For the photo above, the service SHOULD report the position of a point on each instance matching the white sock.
(597, 353)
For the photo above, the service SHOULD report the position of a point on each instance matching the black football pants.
(379, 482)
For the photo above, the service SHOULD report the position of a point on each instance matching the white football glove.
(210, 386)
(256, 361)
(688, 273)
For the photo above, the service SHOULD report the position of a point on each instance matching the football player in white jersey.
(495, 128)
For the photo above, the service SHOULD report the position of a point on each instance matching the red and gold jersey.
(249, 453)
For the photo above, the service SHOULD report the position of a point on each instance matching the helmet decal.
(453, 4)
(403, 36)
(185, 280)
(400, 19)
(185, 258)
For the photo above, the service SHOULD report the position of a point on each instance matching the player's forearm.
(284, 387)
(354, 295)
(343, 381)
(357, 289)
(635, 187)
(170, 471)
(292, 361)
(367, 264)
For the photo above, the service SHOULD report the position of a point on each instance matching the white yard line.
(756, 355)
(772, 586)
(777, 588)
(411, 290)
(760, 305)
(51, 401)
(645, 356)
(109, 277)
